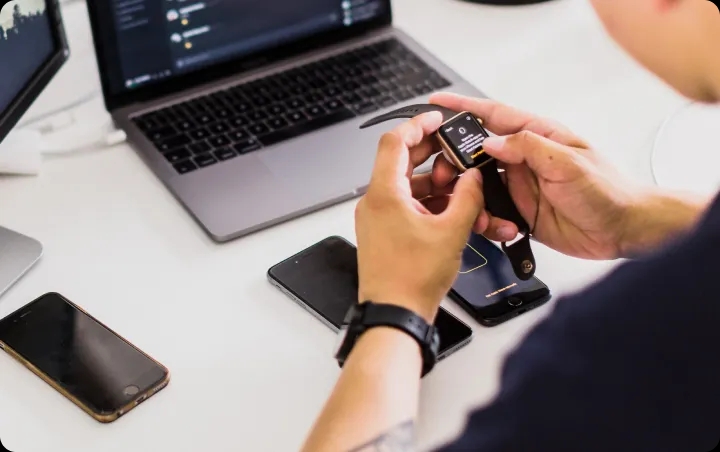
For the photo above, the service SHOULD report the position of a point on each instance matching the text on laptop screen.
(157, 39)
(26, 43)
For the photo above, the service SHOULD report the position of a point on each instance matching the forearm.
(375, 401)
(659, 216)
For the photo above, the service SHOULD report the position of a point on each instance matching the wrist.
(656, 217)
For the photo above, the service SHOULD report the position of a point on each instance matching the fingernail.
(506, 232)
(494, 143)
(475, 173)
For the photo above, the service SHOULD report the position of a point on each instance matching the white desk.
(250, 368)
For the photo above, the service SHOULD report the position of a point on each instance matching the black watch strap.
(498, 200)
(409, 112)
(369, 315)
(501, 205)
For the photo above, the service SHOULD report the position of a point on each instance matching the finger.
(393, 156)
(422, 186)
(422, 152)
(496, 229)
(443, 172)
(546, 158)
(467, 201)
(503, 119)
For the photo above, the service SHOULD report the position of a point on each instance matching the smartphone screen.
(80, 355)
(487, 287)
(324, 279)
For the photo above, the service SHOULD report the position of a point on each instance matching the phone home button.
(131, 390)
(514, 301)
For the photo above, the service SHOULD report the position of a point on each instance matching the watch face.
(465, 135)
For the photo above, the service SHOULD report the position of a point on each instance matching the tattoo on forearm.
(399, 439)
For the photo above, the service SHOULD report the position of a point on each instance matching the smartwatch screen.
(465, 136)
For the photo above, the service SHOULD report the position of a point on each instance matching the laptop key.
(199, 148)
(239, 121)
(173, 142)
(314, 111)
(257, 115)
(199, 134)
(218, 127)
(296, 116)
(224, 154)
(311, 125)
(296, 103)
(204, 160)
(162, 133)
(277, 123)
(249, 145)
(177, 155)
(238, 135)
(258, 128)
(276, 109)
(333, 105)
(219, 141)
(365, 107)
(185, 166)
(385, 101)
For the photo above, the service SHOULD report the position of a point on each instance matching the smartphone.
(323, 279)
(83, 359)
(487, 288)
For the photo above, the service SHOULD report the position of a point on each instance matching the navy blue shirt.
(629, 364)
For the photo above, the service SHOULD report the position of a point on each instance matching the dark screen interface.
(158, 39)
(26, 42)
(326, 278)
(72, 349)
(466, 135)
(486, 275)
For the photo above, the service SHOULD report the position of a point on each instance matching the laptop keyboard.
(224, 124)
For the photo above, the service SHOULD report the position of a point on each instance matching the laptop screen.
(156, 40)
(26, 43)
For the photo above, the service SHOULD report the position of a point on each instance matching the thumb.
(546, 158)
(467, 201)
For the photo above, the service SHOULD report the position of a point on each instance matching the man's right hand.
(587, 209)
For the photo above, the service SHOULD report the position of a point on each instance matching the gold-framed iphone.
(87, 362)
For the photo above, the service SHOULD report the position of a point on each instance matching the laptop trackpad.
(318, 170)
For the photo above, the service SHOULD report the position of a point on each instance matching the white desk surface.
(250, 369)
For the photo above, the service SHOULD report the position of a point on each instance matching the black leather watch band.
(498, 200)
(409, 112)
(367, 315)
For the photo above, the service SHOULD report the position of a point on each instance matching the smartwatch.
(364, 316)
(461, 137)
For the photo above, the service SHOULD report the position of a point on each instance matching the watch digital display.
(465, 136)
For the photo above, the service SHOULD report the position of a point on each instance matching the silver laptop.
(248, 111)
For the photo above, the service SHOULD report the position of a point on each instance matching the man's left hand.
(410, 233)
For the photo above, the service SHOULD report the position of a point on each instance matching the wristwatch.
(364, 316)
(461, 137)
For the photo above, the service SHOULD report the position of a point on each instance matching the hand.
(583, 202)
(410, 235)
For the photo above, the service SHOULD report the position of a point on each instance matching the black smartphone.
(81, 358)
(323, 279)
(487, 288)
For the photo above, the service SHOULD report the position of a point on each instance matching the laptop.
(249, 111)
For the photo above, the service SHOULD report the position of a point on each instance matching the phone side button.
(514, 301)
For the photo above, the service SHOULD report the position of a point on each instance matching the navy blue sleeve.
(629, 364)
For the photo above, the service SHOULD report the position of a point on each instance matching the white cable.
(108, 137)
